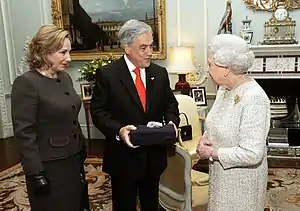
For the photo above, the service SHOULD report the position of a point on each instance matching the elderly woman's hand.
(204, 147)
(204, 151)
(204, 140)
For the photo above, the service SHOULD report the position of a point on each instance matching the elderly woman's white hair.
(231, 51)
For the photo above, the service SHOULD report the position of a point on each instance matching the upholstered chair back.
(188, 106)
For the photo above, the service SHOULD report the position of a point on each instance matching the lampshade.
(182, 60)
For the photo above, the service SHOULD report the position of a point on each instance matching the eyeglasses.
(209, 66)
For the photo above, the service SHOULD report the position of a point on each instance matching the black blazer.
(45, 119)
(115, 103)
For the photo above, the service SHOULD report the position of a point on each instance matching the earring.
(227, 73)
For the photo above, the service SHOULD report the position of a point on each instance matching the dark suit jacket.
(115, 103)
(45, 119)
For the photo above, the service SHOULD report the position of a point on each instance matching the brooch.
(237, 99)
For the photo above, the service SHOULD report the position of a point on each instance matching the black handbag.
(186, 130)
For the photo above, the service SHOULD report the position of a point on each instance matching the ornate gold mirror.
(269, 5)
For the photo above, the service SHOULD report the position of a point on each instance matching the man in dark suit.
(133, 91)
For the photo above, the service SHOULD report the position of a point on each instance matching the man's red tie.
(140, 87)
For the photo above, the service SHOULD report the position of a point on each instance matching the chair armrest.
(188, 146)
(199, 178)
(180, 140)
(201, 118)
(179, 137)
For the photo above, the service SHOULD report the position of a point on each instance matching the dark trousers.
(125, 192)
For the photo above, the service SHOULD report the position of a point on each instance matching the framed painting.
(94, 25)
(86, 90)
(199, 95)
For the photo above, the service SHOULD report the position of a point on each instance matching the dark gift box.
(146, 136)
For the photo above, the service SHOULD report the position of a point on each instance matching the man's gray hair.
(231, 51)
(131, 30)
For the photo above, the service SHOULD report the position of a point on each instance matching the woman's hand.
(204, 148)
(204, 140)
(204, 151)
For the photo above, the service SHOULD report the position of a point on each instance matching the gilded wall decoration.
(270, 5)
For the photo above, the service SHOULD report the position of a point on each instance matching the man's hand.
(176, 131)
(153, 124)
(124, 134)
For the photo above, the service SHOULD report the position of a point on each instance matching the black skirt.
(65, 186)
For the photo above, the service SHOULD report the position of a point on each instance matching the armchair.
(177, 192)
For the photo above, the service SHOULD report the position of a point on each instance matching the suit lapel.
(150, 80)
(126, 80)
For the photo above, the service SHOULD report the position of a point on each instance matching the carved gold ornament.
(270, 5)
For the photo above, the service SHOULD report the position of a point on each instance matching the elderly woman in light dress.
(236, 130)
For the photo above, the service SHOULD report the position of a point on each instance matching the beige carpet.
(13, 196)
(283, 189)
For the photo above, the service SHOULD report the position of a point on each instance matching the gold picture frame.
(86, 90)
(86, 44)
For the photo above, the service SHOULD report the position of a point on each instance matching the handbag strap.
(186, 118)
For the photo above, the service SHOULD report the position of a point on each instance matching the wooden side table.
(87, 105)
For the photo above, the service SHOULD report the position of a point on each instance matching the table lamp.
(182, 62)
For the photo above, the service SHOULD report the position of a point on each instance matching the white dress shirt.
(131, 68)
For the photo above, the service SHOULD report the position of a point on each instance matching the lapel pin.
(152, 78)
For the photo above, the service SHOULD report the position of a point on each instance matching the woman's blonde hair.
(48, 39)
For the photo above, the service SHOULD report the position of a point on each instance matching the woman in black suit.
(45, 110)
